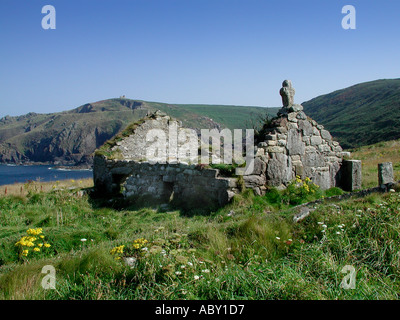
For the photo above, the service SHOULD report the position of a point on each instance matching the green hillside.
(362, 114)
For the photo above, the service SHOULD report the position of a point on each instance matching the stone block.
(326, 135)
(281, 136)
(276, 149)
(322, 178)
(316, 132)
(351, 176)
(254, 181)
(301, 116)
(259, 167)
(324, 148)
(385, 173)
(337, 149)
(279, 169)
(292, 125)
(232, 182)
(313, 159)
(292, 117)
(299, 170)
(295, 108)
(306, 140)
(316, 140)
(295, 158)
(260, 152)
(295, 145)
(281, 129)
(306, 127)
(281, 143)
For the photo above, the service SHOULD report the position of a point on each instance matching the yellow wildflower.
(36, 249)
(118, 250)
(34, 232)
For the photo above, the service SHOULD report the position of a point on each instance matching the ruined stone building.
(292, 145)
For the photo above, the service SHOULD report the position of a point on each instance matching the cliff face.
(67, 137)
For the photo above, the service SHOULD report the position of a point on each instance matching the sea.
(10, 174)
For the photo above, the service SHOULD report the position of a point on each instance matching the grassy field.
(370, 156)
(23, 189)
(250, 249)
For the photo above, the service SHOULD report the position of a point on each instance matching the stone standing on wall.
(287, 93)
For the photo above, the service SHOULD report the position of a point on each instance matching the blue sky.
(190, 51)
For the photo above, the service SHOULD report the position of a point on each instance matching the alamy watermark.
(49, 280)
(184, 145)
(349, 280)
(49, 20)
(349, 20)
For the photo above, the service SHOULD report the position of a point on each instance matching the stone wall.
(183, 184)
(295, 145)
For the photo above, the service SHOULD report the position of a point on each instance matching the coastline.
(23, 173)
(55, 166)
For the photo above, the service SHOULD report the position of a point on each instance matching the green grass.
(255, 252)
